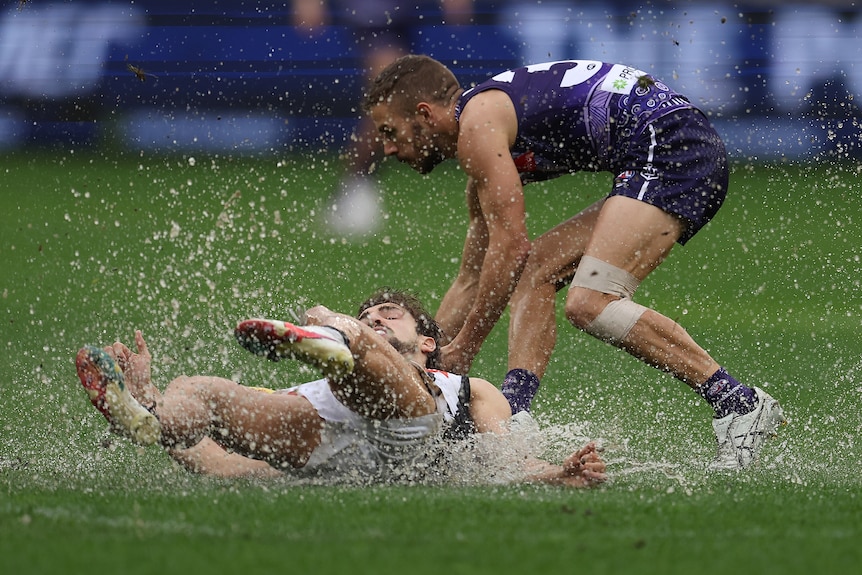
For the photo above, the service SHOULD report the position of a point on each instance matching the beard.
(430, 159)
(430, 152)
(403, 347)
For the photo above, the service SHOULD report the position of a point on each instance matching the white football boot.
(741, 436)
(320, 346)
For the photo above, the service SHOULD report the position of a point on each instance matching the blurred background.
(780, 79)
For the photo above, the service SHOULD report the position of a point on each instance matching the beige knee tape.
(618, 318)
(602, 277)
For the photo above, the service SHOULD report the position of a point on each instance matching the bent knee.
(607, 317)
(583, 305)
(199, 386)
(599, 300)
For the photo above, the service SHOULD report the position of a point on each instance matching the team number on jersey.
(580, 73)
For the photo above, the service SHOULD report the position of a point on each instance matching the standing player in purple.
(544, 121)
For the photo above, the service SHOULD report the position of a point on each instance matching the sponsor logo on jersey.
(621, 79)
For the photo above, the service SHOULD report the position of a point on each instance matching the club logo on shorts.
(649, 172)
(623, 178)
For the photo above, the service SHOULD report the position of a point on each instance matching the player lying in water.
(381, 412)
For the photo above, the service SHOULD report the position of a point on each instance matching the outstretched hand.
(136, 367)
(584, 467)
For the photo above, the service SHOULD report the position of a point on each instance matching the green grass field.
(94, 246)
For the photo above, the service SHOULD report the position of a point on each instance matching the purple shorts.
(678, 163)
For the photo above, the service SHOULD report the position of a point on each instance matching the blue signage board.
(242, 76)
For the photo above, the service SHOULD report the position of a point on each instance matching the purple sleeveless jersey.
(577, 115)
(582, 115)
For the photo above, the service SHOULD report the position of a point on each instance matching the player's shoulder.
(490, 113)
(482, 388)
(489, 98)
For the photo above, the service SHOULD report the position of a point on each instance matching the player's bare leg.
(281, 429)
(551, 265)
(744, 416)
(365, 372)
(209, 458)
(206, 456)
(650, 235)
(552, 262)
(383, 384)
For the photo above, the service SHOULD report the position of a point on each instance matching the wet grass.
(93, 246)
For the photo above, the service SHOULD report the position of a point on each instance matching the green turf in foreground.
(757, 524)
(93, 247)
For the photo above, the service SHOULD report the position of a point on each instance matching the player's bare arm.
(458, 301)
(491, 413)
(488, 126)
(488, 407)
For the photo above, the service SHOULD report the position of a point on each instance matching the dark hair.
(425, 324)
(409, 80)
